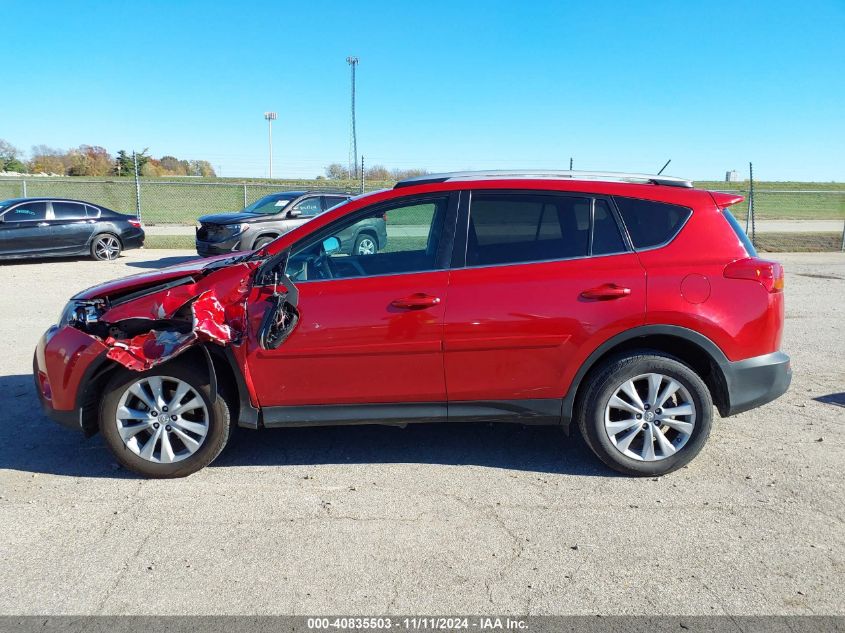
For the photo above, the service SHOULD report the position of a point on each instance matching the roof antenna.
(664, 166)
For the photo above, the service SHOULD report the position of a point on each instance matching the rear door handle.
(605, 292)
(43, 224)
(416, 301)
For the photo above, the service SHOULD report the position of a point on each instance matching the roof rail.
(531, 174)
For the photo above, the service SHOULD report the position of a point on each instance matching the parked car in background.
(59, 227)
(623, 306)
(271, 216)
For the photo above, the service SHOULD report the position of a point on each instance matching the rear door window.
(68, 211)
(607, 239)
(333, 201)
(27, 212)
(651, 223)
(309, 207)
(510, 228)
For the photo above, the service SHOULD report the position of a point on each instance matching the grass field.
(181, 202)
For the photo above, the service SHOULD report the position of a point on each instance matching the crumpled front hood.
(148, 279)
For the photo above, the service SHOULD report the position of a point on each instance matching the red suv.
(625, 305)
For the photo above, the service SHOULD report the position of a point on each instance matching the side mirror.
(294, 213)
(330, 245)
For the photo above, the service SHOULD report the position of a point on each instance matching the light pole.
(353, 148)
(270, 116)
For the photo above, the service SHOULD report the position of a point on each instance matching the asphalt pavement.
(430, 519)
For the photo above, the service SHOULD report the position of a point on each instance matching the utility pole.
(353, 146)
(270, 116)
(137, 185)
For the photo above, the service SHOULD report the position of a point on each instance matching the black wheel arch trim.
(717, 356)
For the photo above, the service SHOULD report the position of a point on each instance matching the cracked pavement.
(430, 519)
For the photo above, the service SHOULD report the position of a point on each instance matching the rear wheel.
(106, 247)
(162, 423)
(365, 244)
(645, 413)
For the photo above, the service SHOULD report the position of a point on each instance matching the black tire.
(366, 241)
(106, 247)
(261, 242)
(604, 383)
(212, 445)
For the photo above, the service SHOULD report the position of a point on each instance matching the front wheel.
(163, 423)
(645, 413)
(261, 242)
(105, 247)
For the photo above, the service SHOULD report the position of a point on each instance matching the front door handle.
(605, 292)
(416, 301)
(43, 224)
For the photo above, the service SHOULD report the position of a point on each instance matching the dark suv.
(271, 216)
(625, 306)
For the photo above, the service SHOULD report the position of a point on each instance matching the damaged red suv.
(626, 305)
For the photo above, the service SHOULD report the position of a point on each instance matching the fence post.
(137, 186)
(749, 219)
(244, 195)
(842, 246)
(362, 173)
(23, 188)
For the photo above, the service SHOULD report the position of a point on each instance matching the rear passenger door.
(70, 227)
(544, 279)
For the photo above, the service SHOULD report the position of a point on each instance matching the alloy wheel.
(650, 417)
(366, 246)
(162, 419)
(107, 247)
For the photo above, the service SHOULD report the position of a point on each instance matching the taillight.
(766, 273)
(135, 223)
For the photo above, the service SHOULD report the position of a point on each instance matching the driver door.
(370, 326)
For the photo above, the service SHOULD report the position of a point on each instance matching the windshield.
(268, 205)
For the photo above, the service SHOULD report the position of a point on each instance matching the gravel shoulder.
(430, 519)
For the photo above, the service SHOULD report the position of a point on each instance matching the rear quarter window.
(651, 223)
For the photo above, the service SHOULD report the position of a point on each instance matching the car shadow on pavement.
(30, 442)
(163, 262)
(836, 399)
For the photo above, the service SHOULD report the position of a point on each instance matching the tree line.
(93, 160)
(336, 171)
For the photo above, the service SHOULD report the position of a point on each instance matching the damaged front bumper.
(64, 360)
(142, 328)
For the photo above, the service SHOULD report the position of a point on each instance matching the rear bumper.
(132, 238)
(755, 381)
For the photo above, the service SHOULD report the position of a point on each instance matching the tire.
(120, 405)
(106, 247)
(601, 418)
(365, 244)
(261, 242)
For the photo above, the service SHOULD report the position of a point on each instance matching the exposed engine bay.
(144, 327)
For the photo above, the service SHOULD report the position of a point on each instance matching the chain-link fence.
(181, 202)
(170, 202)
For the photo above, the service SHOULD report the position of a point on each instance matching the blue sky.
(441, 85)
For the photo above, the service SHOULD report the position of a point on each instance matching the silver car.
(271, 216)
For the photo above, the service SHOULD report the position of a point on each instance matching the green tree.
(124, 166)
(10, 157)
